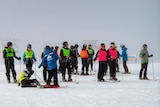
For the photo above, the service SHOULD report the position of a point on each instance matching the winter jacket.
(51, 58)
(124, 54)
(144, 54)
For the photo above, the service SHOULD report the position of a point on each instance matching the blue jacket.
(51, 58)
(124, 54)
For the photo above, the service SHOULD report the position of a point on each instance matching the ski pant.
(44, 73)
(9, 65)
(112, 66)
(29, 64)
(52, 73)
(117, 66)
(74, 63)
(29, 83)
(30, 73)
(101, 70)
(125, 66)
(143, 68)
(64, 66)
(90, 63)
(107, 66)
(85, 64)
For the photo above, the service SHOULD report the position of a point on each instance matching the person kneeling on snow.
(51, 58)
(24, 80)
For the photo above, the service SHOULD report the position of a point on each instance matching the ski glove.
(151, 55)
(143, 54)
(95, 59)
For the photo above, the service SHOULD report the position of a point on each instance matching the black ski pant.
(29, 83)
(112, 66)
(101, 70)
(64, 66)
(143, 68)
(9, 64)
(44, 73)
(74, 64)
(90, 63)
(52, 74)
(84, 64)
(125, 66)
(29, 64)
(107, 66)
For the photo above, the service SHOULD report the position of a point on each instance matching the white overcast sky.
(129, 22)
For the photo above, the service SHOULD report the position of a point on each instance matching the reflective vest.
(90, 51)
(29, 54)
(113, 53)
(66, 52)
(9, 52)
(102, 56)
(84, 54)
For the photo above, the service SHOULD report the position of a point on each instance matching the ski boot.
(15, 81)
(9, 81)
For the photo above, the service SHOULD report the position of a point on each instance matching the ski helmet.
(65, 43)
(144, 45)
(76, 46)
(29, 46)
(56, 47)
(47, 47)
(84, 45)
(9, 44)
(89, 46)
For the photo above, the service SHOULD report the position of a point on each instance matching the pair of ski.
(44, 86)
(111, 81)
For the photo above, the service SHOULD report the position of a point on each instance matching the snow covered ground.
(130, 92)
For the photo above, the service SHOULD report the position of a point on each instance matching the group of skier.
(68, 60)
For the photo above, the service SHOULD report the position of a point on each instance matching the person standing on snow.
(76, 58)
(84, 57)
(9, 55)
(51, 58)
(144, 55)
(124, 56)
(73, 58)
(29, 58)
(112, 56)
(101, 55)
(117, 60)
(90, 54)
(44, 67)
(65, 54)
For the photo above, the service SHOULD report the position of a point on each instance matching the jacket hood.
(47, 51)
(124, 48)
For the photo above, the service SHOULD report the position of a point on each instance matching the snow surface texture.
(130, 92)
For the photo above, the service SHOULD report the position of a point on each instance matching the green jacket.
(144, 56)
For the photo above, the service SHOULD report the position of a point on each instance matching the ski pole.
(20, 66)
(153, 69)
(121, 69)
(35, 70)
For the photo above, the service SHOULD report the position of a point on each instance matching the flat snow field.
(130, 92)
